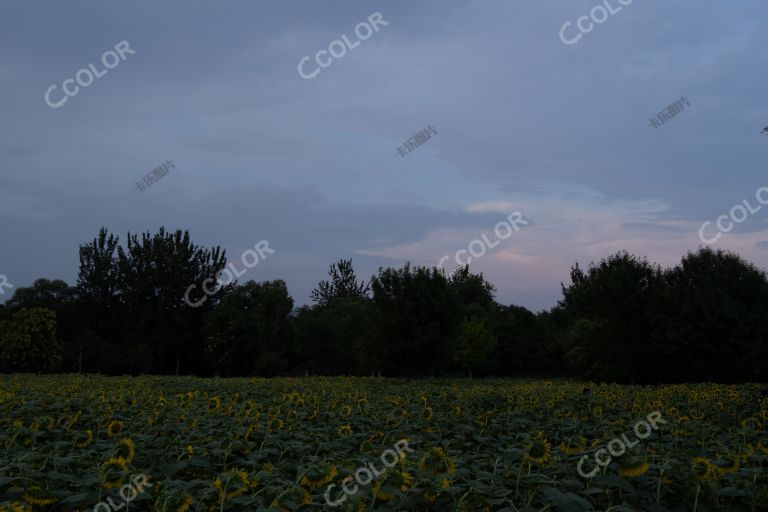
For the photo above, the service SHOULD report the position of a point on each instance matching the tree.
(62, 299)
(140, 292)
(473, 344)
(250, 330)
(28, 342)
(612, 308)
(417, 316)
(338, 339)
(474, 293)
(343, 283)
(715, 328)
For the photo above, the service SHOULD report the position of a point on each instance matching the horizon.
(515, 114)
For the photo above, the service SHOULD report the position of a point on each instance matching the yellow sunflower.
(14, 507)
(37, 497)
(231, 484)
(114, 465)
(126, 449)
(702, 468)
(114, 428)
(84, 439)
(317, 479)
(344, 430)
(538, 451)
(186, 502)
(633, 470)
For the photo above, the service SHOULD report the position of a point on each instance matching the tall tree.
(716, 322)
(417, 317)
(28, 342)
(343, 283)
(613, 306)
(142, 291)
(474, 343)
(250, 331)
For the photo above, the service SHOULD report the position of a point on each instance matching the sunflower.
(344, 430)
(214, 404)
(400, 479)
(438, 462)
(84, 439)
(186, 502)
(538, 451)
(126, 449)
(14, 507)
(725, 466)
(574, 446)
(345, 411)
(317, 479)
(702, 468)
(114, 428)
(427, 414)
(633, 470)
(116, 465)
(231, 484)
(45, 422)
(37, 497)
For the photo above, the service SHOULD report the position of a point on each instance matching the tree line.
(622, 319)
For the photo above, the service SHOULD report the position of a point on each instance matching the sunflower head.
(83, 439)
(315, 478)
(185, 503)
(538, 451)
(344, 430)
(231, 484)
(632, 468)
(126, 449)
(38, 497)
(702, 468)
(114, 428)
(113, 472)
(727, 465)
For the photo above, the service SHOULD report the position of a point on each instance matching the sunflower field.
(72, 443)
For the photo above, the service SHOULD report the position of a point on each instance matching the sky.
(525, 112)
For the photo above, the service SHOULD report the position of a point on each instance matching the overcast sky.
(524, 122)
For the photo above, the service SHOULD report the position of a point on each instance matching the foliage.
(474, 343)
(343, 284)
(276, 445)
(249, 327)
(28, 342)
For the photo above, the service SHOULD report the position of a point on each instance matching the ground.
(76, 443)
